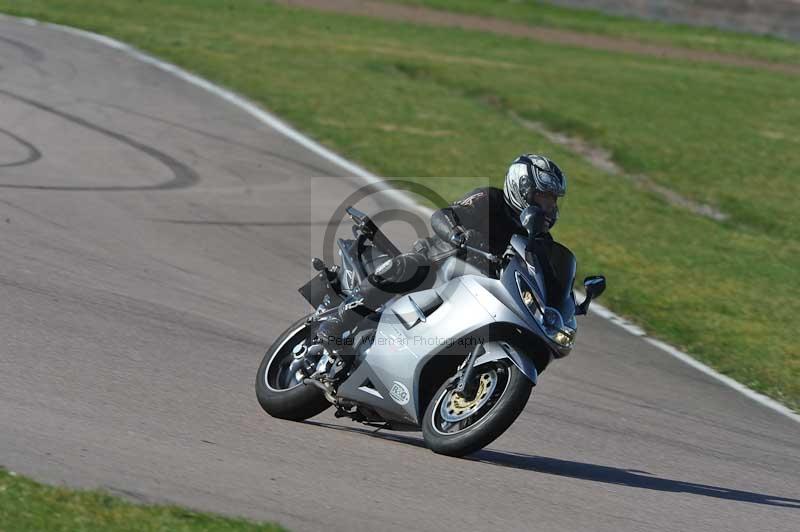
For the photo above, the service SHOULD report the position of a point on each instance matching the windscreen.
(558, 267)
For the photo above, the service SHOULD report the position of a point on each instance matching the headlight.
(555, 328)
(552, 318)
(564, 337)
(549, 318)
(529, 298)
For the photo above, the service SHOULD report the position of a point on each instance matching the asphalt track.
(151, 240)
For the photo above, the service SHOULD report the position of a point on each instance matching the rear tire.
(481, 421)
(282, 395)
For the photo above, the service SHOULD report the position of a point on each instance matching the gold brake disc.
(457, 407)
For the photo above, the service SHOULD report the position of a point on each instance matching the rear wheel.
(456, 425)
(279, 386)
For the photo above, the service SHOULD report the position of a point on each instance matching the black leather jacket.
(485, 211)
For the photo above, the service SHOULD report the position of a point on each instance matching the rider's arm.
(461, 216)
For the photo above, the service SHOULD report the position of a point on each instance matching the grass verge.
(417, 101)
(27, 505)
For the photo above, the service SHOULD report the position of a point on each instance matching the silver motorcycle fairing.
(499, 350)
(453, 267)
(387, 379)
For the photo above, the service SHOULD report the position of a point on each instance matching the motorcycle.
(456, 360)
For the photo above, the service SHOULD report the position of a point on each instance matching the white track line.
(260, 114)
(282, 127)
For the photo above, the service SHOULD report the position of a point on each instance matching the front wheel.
(455, 425)
(279, 386)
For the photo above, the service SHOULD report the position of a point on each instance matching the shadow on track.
(584, 471)
(624, 477)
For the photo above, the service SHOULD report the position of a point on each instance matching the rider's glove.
(458, 236)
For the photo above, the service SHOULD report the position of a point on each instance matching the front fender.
(499, 350)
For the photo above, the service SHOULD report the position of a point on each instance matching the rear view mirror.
(594, 286)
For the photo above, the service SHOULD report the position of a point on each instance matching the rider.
(485, 218)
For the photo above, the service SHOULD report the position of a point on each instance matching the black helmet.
(529, 174)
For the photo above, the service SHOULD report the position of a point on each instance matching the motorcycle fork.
(463, 384)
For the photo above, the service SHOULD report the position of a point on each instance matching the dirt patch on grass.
(601, 159)
(432, 17)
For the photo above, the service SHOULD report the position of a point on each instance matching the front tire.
(278, 389)
(455, 426)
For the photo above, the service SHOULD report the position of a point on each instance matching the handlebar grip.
(355, 214)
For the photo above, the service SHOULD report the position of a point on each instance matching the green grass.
(26, 505)
(540, 13)
(419, 101)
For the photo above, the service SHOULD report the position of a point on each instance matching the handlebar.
(485, 254)
(367, 227)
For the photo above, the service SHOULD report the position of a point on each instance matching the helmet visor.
(546, 180)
